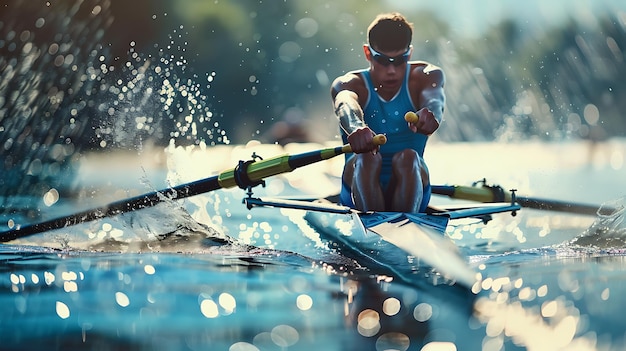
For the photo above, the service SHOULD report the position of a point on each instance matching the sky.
(474, 16)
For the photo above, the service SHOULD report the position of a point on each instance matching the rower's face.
(387, 68)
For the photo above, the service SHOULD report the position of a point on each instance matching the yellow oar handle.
(411, 117)
(250, 173)
(480, 194)
(379, 139)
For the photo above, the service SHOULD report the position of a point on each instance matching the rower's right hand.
(362, 141)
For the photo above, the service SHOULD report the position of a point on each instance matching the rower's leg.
(363, 173)
(408, 178)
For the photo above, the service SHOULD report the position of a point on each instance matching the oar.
(496, 194)
(486, 193)
(246, 174)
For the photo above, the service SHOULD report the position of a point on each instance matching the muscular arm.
(432, 95)
(348, 111)
(349, 93)
(426, 87)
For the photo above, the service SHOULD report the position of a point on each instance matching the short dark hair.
(389, 32)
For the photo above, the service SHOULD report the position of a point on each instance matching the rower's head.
(390, 32)
(388, 50)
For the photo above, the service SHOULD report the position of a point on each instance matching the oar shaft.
(246, 174)
(560, 206)
(115, 208)
(496, 194)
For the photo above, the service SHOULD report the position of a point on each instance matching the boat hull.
(399, 245)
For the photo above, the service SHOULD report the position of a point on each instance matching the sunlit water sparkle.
(538, 276)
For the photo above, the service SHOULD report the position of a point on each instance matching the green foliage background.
(516, 81)
(259, 62)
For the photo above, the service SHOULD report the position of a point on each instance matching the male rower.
(391, 177)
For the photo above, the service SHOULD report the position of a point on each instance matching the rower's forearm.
(350, 116)
(436, 106)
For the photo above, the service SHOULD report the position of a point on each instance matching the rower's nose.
(391, 69)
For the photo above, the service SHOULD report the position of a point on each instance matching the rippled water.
(206, 272)
(165, 301)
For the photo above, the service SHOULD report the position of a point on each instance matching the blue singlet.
(387, 117)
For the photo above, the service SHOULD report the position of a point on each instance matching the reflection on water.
(170, 301)
(234, 280)
(564, 295)
(283, 301)
(238, 283)
(558, 325)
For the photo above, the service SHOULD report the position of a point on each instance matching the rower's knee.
(407, 159)
(368, 161)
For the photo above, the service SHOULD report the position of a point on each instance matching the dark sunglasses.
(388, 60)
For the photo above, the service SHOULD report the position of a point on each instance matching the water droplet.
(209, 308)
(122, 299)
(62, 310)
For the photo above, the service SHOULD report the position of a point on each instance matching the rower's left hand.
(426, 122)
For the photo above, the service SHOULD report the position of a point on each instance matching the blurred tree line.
(257, 63)
(275, 63)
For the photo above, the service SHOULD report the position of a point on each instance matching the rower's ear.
(366, 50)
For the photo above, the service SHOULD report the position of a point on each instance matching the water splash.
(608, 232)
(47, 56)
(62, 93)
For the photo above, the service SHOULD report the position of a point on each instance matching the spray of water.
(49, 72)
(608, 232)
(63, 94)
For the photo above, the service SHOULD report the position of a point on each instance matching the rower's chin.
(390, 86)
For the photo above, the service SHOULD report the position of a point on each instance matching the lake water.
(206, 273)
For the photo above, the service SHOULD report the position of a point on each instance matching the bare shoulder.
(351, 81)
(425, 75)
(425, 71)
